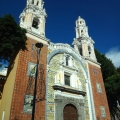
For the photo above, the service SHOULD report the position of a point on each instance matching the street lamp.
(38, 46)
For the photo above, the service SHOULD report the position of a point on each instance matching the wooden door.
(70, 112)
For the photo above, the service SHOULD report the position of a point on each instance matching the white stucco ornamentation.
(33, 17)
(83, 44)
(66, 47)
(75, 82)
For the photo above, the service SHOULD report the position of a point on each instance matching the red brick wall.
(99, 98)
(21, 83)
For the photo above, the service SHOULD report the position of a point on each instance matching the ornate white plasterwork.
(66, 47)
(33, 10)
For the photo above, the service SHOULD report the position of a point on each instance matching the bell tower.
(83, 43)
(33, 17)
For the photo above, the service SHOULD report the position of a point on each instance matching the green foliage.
(12, 37)
(118, 69)
(112, 86)
(107, 66)
(111, 77)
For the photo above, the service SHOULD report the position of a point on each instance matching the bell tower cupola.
(33, 17)
(81, 28)
(83, 43)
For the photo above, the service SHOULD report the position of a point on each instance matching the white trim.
(90, 98)
(38, 38)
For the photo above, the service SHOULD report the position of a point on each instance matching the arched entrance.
(70, 112)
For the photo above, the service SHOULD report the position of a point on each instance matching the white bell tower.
(83, 43)
(33, 17)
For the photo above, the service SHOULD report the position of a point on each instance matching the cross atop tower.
(33, 17)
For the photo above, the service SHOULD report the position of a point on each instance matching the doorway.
(70, 112)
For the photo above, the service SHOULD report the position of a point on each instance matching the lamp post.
(39, 46)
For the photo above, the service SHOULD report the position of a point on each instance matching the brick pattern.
(100, 99)
(21, 83)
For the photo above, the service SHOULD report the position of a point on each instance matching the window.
(23, 19)
(67, 60)
(35, 23)
(80, 51)
(32, 1)
(67, 79)
(37, 3)
(89, 50)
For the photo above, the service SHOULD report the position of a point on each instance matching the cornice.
(81, 39)
(92, 61)
(35, 10)
(38, 36)
(70, 90)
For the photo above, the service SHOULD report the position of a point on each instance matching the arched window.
(35, 23)
(37, 3)
(67, 60)
(23, 19)
(32, 1)
(80, 51)
(89, 50)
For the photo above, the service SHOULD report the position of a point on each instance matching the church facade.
(69, 81)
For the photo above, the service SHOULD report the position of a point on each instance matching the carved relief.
(103, 112)
(99, 89)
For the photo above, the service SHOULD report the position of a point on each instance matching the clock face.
(28, 99)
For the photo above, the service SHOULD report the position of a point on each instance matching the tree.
(12, 37)
(107, 66)
(112, 86)
(111, 77)
(118, 69)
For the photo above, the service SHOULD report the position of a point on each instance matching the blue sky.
(3, 63)
(102, 18)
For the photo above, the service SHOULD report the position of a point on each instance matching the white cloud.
(114, 55)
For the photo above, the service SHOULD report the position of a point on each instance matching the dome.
(80, 21)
